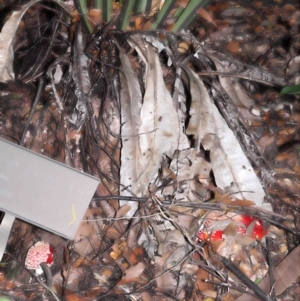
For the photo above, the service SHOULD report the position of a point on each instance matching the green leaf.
(257, 280)
(106, 13)
(125, 14)
(188, 14)
(294, 89)
(178, 12)
(98, 4)
(81, 7)
(142, 6)
(105, 7)
(163, 13)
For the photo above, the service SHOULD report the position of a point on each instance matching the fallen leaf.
(7, 36)
(210, 294)
(101, 278)
(232, 86)
(233, 47)
(132, 273)
(285, 274)
(229, 200)
(203, 275)
(206, 16)
(230, 165)
(131, 103)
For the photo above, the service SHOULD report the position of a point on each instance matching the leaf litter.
(177, 154)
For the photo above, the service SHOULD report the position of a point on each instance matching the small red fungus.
(257, 230)
(246, 220)
(213, 236)
(38, 253)
(246, 225)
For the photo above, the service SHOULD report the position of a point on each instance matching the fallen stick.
(285, 274)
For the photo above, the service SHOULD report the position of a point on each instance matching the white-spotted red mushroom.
(256, 229)
(38, 253)
(213, 236)
(215, 223)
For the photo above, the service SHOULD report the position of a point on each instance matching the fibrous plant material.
(7, 38)
(154, 116)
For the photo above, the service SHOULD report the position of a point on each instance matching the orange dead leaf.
(219, 7)
(204, 14)
(137, 255)
(140, 23)
(203, 275)
(114, 255)
(228, 297)
(9, 285)
(107, 272)
(233, 47)
(81, 261)
(166, 172)
(75, 15)
(94, 16)
(134, 256)
(258, 29)
(169, 27)
(66, 256)
(117, 250)
(2, 277)
(21, 24)
(74, 297)
(257, 3)
(132, 274)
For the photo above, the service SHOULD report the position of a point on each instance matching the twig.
(243, 278)
(35, 102)
(120, 218)
(12, 296)
(271, 268)
(268, 216)
(235, 287)
(237, 75)
(167, 271)
(125, 198)
(34, 276)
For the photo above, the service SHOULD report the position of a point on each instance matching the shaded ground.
(260, 33)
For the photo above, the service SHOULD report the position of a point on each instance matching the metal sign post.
(42, 192)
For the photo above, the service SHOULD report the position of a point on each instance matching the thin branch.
(34, 276)
(125, 198)
(243, 278)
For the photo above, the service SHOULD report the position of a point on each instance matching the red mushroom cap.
(213, 236)
(257, 229)
(38, 253)
(246, 220)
